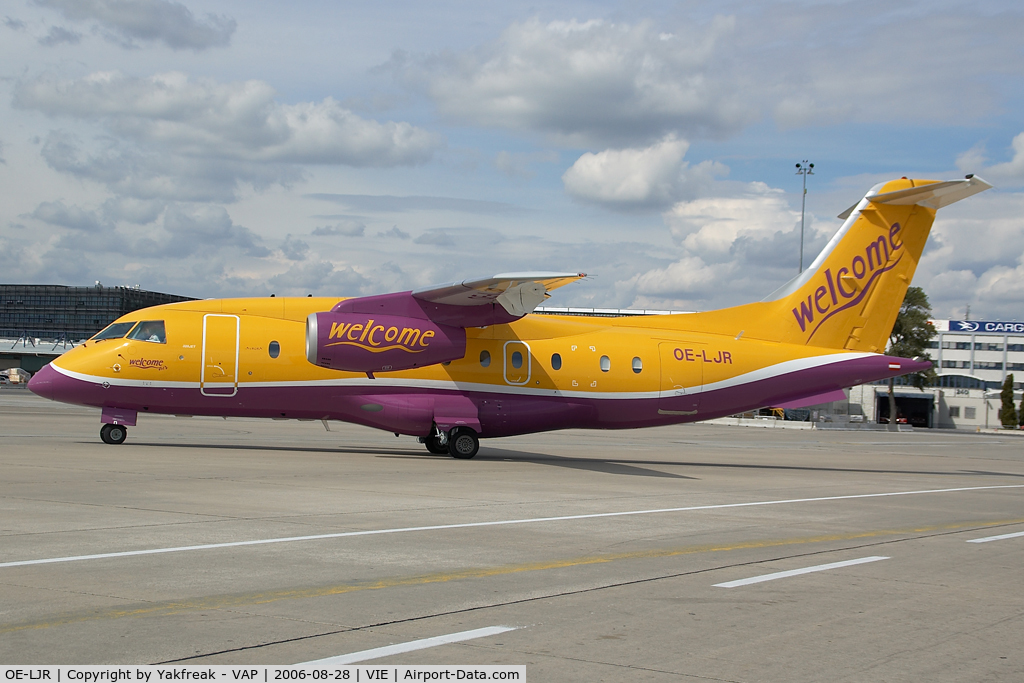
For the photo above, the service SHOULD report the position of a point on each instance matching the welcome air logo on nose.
(147, 364)
(373, 337)
(850, 284)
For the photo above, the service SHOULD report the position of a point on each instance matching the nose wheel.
(113, 434)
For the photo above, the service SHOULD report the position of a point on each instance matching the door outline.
(677, 390)
(202, 369)
(505, 357)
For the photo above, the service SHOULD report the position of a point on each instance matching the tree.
(909, 339)
(1020, 414)
(1007, 413)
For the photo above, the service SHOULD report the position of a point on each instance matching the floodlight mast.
(804, 169)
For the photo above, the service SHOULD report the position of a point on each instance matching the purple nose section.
(42, 383)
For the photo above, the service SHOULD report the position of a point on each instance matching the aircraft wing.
(518, 293)
(470, 303)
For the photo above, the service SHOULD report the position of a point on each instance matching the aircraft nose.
(42, 382)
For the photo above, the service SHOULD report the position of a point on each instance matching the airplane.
(458, 362)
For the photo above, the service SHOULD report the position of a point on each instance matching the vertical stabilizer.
(849, 297)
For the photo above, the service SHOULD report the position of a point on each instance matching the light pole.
(805, 169)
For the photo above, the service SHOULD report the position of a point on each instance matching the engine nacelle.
(379, 343)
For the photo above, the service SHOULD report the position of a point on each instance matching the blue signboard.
(986, 327)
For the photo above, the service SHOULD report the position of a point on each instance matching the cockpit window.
(114, 331)
(151, 331)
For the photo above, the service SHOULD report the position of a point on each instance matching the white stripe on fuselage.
(769, 372)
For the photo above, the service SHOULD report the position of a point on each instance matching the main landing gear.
(113, 434)
(461, 443)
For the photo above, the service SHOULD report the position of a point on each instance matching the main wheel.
(113, 434)
(463, 443)
(433, 445)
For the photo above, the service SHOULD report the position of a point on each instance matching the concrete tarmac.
(601, 549)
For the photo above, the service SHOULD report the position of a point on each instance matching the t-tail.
(850, 296)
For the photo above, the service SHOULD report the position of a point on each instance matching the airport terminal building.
(37, 322)
(972, 359)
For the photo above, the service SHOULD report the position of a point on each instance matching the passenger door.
(219, 374)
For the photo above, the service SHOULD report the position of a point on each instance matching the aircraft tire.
(113, 434)
(463, 443)
(435, 447)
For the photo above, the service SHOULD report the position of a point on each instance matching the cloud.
(592, 81)
(208, 228)
(133, 211)
(712, 226)
(1009, 172)
(605, 84)
(76, 218)
(437, 238)
(731, 249)
(651, 177)
(131, 170)
(15, 24)
(1004, 285)
(394, 232)
(941, 71)
(386, 203)
(59, 35)
(975, 251)
(347, 228)
(230, 121)
(516, 165)
(318, 277)
(127, 21)
(470, 240)
(294, 249)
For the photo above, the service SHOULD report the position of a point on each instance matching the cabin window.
(485, 358)
(517, 359)
(151, 331)
(274, 349)
(638, 365)
(556, 361)
(115, 331)
(606, 364)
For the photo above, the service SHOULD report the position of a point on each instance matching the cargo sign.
(986, 326)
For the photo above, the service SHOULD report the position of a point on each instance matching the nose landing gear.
(113, 434)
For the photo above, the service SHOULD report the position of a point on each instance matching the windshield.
(115, 331)
(151, 331)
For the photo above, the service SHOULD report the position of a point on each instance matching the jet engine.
(379, 343)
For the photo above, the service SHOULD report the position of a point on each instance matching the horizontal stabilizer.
(932, 195)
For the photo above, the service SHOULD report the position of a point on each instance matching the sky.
(229, 148)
